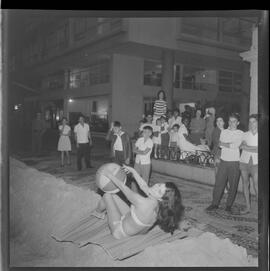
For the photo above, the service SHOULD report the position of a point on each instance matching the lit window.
(230, 81)
(197, 78)
(152, 73)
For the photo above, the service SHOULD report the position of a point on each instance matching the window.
(177, 70)
(79, 28)
(62, 36)
(197, 78)
(148, 105)
(230, 81)
(97, 73)
(152, 73)
(236, 31)
(54, 81)
(200, 27)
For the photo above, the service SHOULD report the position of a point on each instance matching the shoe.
(90, 166)
(211, 207)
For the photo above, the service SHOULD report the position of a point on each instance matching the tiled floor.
(242, 230)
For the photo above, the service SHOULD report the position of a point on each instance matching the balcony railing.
(54, 45)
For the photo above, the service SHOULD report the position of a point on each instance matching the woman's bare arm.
(133, 197)
(140, 181)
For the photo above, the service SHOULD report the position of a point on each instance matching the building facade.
(112, 68)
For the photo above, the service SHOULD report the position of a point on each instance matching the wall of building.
(127, 97)
(153, 31)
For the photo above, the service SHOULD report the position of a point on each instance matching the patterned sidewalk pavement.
(241, 230)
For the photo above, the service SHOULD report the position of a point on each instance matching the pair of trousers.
(228, 171)
(144, 171)
(83, 152)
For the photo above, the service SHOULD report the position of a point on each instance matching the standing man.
(38, 129)
(143, 150)
(228, 169)
(249, 160)
(84, 141)
(120, 144)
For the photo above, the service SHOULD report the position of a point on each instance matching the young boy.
(165, 138)
(143, 150)
(174, 141)
(228, 170)
(175, 119)
(157, 138)
(120, 144)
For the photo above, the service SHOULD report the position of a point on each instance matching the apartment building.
(111, 68)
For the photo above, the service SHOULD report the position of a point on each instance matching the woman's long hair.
(171, 209)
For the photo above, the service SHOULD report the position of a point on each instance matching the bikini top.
(136, 219)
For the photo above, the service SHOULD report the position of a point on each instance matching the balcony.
(71, 34)
(227, 33)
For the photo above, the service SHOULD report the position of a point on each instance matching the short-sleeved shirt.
(82, 133)
(251, 140)
(118, 145)
(234, 137)
(144, 159)
(66, 129)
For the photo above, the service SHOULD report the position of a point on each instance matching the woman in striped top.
(160, 105)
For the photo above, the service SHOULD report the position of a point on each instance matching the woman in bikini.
(162, 206)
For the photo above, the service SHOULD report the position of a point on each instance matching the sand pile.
(39, 203)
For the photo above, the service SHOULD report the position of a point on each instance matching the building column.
(66, 79)
(65, 108)
(252, 57)
(245, 94)
(127, 95)
(167, 75)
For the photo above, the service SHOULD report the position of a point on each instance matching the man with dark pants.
(38, 129)
(228, 169)
(84, 141)
(120, 144)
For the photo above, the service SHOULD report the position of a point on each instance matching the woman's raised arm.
(140, 181)
(133, 197)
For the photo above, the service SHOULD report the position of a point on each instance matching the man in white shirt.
(84, 141)
(143, 150)
(249, 160)
(228, 169)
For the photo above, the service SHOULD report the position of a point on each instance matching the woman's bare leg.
(101, 206)
(121, 205)
(62, 158)
(113, 212)
(68, 157)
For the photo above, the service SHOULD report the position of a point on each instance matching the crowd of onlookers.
(166, 134)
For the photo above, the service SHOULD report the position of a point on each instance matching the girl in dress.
(64, 145)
